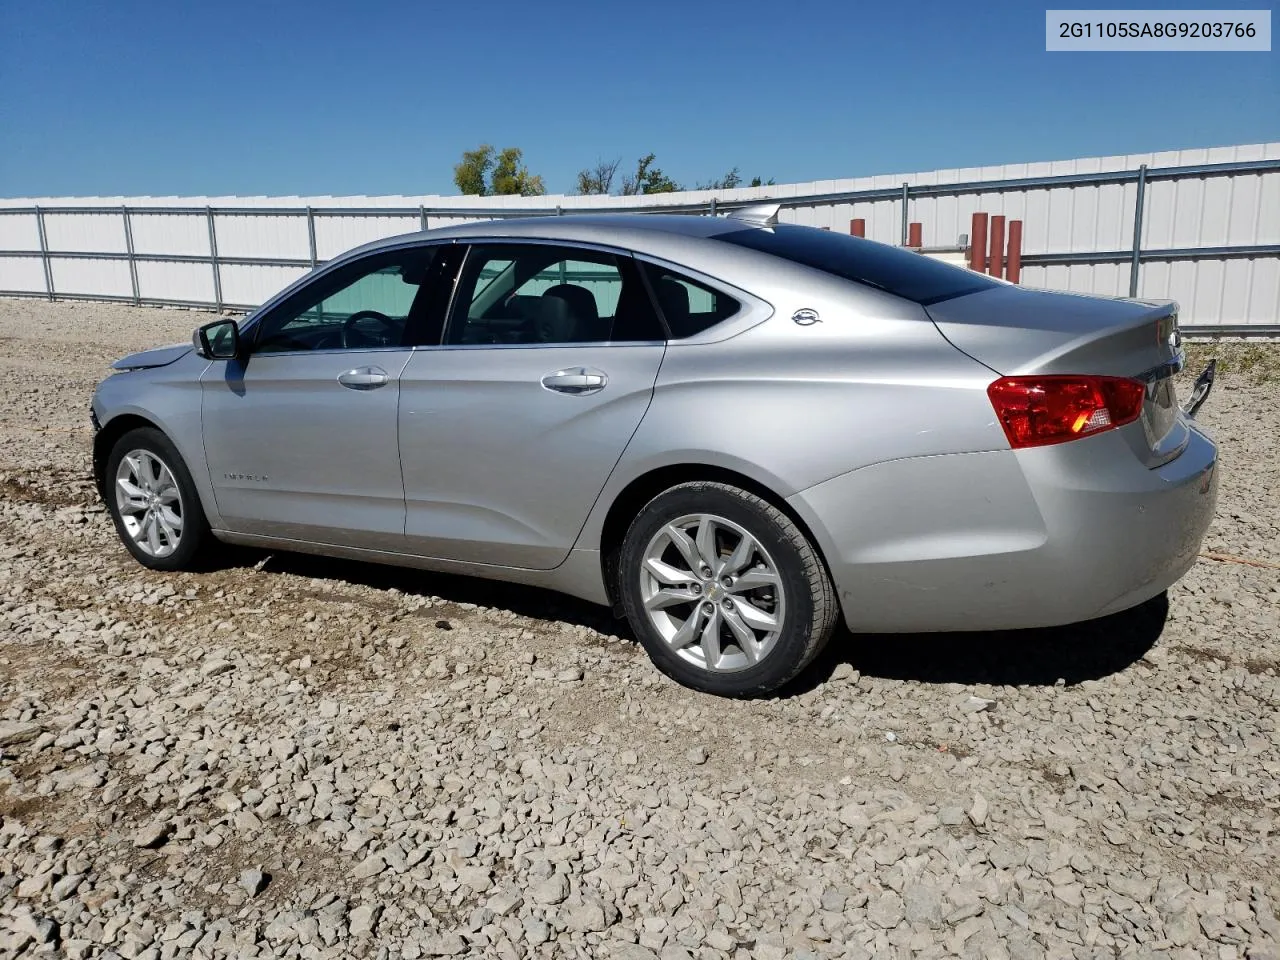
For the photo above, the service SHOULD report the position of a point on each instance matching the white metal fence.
(1198, 226)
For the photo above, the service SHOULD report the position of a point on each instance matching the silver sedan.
(736, 433)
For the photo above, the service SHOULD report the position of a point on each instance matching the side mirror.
(219, 340)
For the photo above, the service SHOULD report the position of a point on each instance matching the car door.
(301, 435)
(510, 427)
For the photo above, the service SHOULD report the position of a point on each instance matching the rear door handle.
(576, 380)
(364, 378)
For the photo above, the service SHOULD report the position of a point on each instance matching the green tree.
(472, 174)
(727, 182)
(648, 179)
(512, 178)
(733, 179)
(598, 179)
(484, 172)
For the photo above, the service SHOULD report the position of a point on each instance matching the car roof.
(657, 234)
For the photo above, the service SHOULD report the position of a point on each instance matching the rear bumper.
(1011, 539)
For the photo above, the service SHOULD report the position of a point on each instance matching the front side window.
(543, 294)
(365, 305)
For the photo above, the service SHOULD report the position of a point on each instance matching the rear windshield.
(891, 269)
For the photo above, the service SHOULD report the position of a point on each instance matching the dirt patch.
(317, 718)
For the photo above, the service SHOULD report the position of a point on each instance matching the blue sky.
(138, 97)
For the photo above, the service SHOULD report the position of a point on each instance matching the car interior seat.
(580, 304)
(553, 321)
(673, 298)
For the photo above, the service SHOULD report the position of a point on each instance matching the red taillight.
(1035, 411)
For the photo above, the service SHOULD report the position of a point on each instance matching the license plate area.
(1159, 410)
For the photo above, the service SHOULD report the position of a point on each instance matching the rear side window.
(688, 306)
(900, 272)
(543, 294)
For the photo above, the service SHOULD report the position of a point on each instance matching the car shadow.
(1089, 650)
(534, 602)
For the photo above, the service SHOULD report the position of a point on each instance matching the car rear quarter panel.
(790, 406)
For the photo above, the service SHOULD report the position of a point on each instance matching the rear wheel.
(153, 501)
(723, 589)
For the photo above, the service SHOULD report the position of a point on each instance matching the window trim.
(472, 242)
(754, 310)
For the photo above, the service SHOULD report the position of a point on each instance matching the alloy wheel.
(712, 592)
(149, 503)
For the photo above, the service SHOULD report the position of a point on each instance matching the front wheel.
(726, 593)
(153, 501)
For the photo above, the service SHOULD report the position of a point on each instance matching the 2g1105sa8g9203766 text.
(1140, 30)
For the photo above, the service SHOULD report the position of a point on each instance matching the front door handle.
(578, 381)
(364, 378)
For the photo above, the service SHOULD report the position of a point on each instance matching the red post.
(857, 228)
(978, 243)
(1014, 272)
(914, 235)
(996, 263)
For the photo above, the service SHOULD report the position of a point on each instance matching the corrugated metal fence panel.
(175, 281)
(1103, 279)
(1217, 291)
(246, 286)
(335, 235)
(283, 237)
(85, 277)
(85, 232)
(22, 275)
(1213, 211)
(183, 234)
(19, 231)
(1201, 210)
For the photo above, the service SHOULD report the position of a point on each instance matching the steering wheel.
(349, 325)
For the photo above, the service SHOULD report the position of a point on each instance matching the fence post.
(712, 212)
(1013, 271)
(133, 264)
(858, 227)
(44, 253)
(906, 193)
(978, 243)
(213, 258)
(311, 234)
(995, 265)
(422, 217)
(1137, 231)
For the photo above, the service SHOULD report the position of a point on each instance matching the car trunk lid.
(1019, 332)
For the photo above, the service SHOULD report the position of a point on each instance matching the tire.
(777, 588)
(146, 447)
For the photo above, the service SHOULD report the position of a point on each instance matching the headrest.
(581, 301)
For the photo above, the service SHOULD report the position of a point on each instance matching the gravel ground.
(299, 757)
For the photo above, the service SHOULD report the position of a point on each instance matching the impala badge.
(805, 317)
